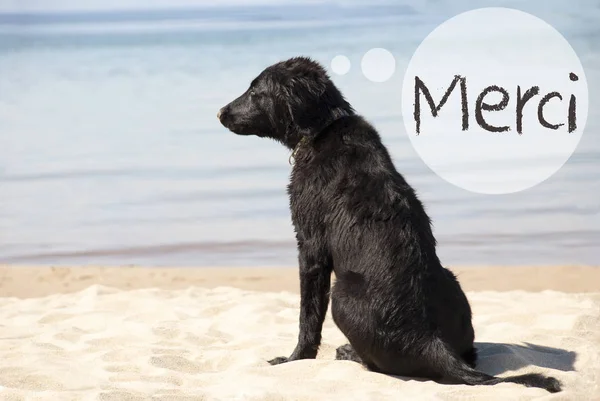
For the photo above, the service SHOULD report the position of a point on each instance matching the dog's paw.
(278, 360)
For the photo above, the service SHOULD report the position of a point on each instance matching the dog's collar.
(305, 139)
(300, 143)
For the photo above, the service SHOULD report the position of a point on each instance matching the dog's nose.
(219, 113)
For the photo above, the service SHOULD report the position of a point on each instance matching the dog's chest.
(307, 202)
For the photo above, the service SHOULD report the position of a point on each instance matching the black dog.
(354, 214)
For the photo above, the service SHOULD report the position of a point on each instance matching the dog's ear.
(311, 104)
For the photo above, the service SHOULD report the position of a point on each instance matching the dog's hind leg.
(347, 353)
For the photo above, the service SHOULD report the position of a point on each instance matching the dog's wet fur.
(403, 313)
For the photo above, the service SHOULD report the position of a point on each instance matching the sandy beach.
(133, 333)
(37, 281)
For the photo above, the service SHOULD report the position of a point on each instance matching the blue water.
(111, 153)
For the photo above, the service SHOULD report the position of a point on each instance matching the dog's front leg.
(315, 281)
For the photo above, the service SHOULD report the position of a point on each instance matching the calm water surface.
(111, 153)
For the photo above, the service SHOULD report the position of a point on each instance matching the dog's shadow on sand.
(497, 358)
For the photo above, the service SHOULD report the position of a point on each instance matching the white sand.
(212, 344)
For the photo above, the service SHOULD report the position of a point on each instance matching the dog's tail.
(456, 370)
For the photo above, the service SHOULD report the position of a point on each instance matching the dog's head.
(287, 101)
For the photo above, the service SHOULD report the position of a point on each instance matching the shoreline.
(39, 281)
